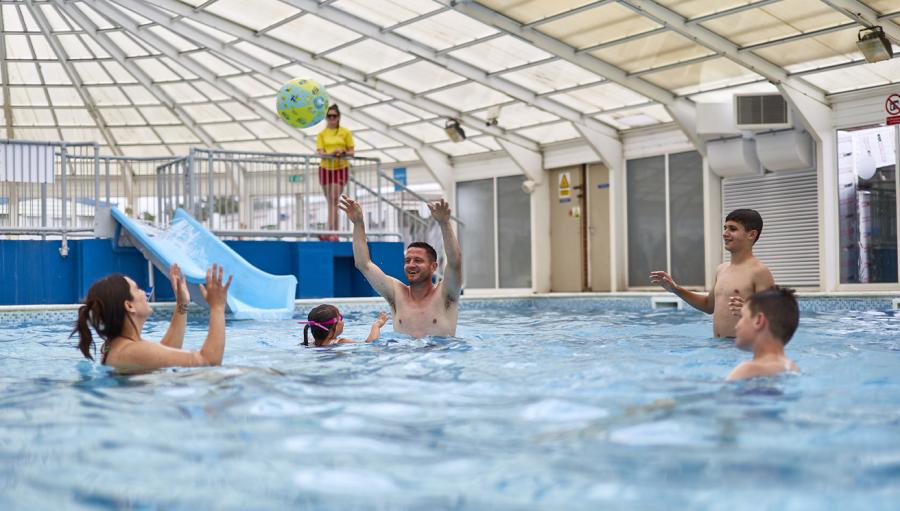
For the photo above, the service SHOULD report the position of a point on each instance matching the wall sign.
(565, 187)
(892, 107)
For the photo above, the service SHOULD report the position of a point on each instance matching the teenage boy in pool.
(768, 321)
(420, 308)
(738, 278)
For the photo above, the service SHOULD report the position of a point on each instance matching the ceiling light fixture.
(454, 130)
(874, 45)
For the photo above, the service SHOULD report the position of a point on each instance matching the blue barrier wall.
(33, 272)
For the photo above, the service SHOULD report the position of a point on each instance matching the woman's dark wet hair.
(104, 310)
(320, 314)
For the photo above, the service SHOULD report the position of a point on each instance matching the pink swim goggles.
(325, 325)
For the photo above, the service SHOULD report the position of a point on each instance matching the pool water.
(538, 404)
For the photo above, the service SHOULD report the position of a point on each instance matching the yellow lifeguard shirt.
(331, 140)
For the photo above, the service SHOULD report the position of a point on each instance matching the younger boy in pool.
(742, 276)
(326, 324)
(768, 321)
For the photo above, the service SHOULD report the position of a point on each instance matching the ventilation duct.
(733, 158)
(785, 150)
(761, 112)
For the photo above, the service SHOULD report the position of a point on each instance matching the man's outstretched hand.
(351, 208)
(440, 211)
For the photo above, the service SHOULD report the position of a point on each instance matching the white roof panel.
(652, 51)
(125, 43)
(206, 112)
(469, 96)
(602, 24)
(377, 139)
(391, 114)
(182, 92)
(261, 14)
(775, 21)
(310, 24)
(555, 75)
(639, 117)
(426, 132)
(23, 73)
(54, 73)
(156, 70)
(421, 76)
(33, 116)
(27, 96)
(134, 135)
(65, 96)
(352, 97)
(213, 92)
(550, 133)
(11, 21)
(172, 37)
(42, 49)
(402, 154)
(118, 73)
(92, 72)
(600, 97)
(177, 135)
(74, 117)
(370, 56)
(108, 96)
(500, 53)
(139, 95)
(17, 47)
(122, 117)
(445, 30)
(518, 115)
(459, 148)
(158, 115)
(238, 111)
(387, 12)
(54, 19)
(527, 11)
(858, 77)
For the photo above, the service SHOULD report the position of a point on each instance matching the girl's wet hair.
(320, 315)
(104, 310)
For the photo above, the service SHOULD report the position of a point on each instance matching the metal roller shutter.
(788, 203)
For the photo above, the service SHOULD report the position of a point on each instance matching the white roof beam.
(626, 39)
(415, 19)
(705, 37)
(142, 77)
(797, 37)
(63, 56)
(456, 65)
(201, 71)
(684, 115)
(733, 10)
(567, 13)
(666, 67)
(473, 42)
(236, 55)
(4, 71)
(866, 16)
(302, 57)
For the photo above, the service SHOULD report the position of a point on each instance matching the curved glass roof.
(153, 77)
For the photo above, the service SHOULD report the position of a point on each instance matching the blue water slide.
(254, 294)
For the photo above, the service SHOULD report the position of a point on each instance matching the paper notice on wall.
(873, 149)
(26, 163)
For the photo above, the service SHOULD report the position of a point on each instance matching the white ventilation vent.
(789, 206)
(761, 112)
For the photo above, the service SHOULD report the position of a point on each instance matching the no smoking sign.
(892, 107)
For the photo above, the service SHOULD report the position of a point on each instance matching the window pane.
(646, 218)
(476, 209)
(867, 194)
(686, 218)
(514, 236)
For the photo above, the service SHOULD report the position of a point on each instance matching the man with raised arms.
(420, 308)
(735, 280)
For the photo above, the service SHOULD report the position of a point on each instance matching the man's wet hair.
(749, 218)
(428, 248)
(779, 305)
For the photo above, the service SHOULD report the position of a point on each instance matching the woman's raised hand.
(215, 293)
(179, 285)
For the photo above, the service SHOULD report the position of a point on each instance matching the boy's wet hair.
(779, 305)
(749, 218)
(320, 314)
(428, 248)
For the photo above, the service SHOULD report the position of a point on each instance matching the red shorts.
(328, 177)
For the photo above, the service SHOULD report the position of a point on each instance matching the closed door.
(598, 227)
(567, 270)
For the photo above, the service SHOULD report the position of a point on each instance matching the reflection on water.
(575, 405)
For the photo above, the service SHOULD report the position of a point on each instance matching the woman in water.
(326, 324)
(117, 308)
(334, 144)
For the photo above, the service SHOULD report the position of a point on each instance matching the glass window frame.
(835, 220)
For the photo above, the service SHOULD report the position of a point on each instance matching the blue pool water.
(539, 404)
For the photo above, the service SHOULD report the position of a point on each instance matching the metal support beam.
(817, 119)
(300, 56)
(4, 71)
(732, 11)
(169, 50)
(456, 65)
(866, 16)
(705, 37)
(684, 115)
(86, 97)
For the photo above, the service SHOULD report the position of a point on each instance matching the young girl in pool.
(326, 324)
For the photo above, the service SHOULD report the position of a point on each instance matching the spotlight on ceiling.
(873, 44)
(454, 130)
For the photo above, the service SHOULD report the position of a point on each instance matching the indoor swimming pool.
(581, 403)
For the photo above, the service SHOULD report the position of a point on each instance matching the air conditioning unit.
(733, 158)
(756, 112)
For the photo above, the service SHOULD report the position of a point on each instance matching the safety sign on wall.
(565, 187)
(892, 107)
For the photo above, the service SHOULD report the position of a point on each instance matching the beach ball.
(302, 102)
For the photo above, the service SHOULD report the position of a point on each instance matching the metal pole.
(64, 247)
(278, 195)
(306, 180)
(107, 180)
(159, 198)
(211, 198)
(380, 198)
(96, 177)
